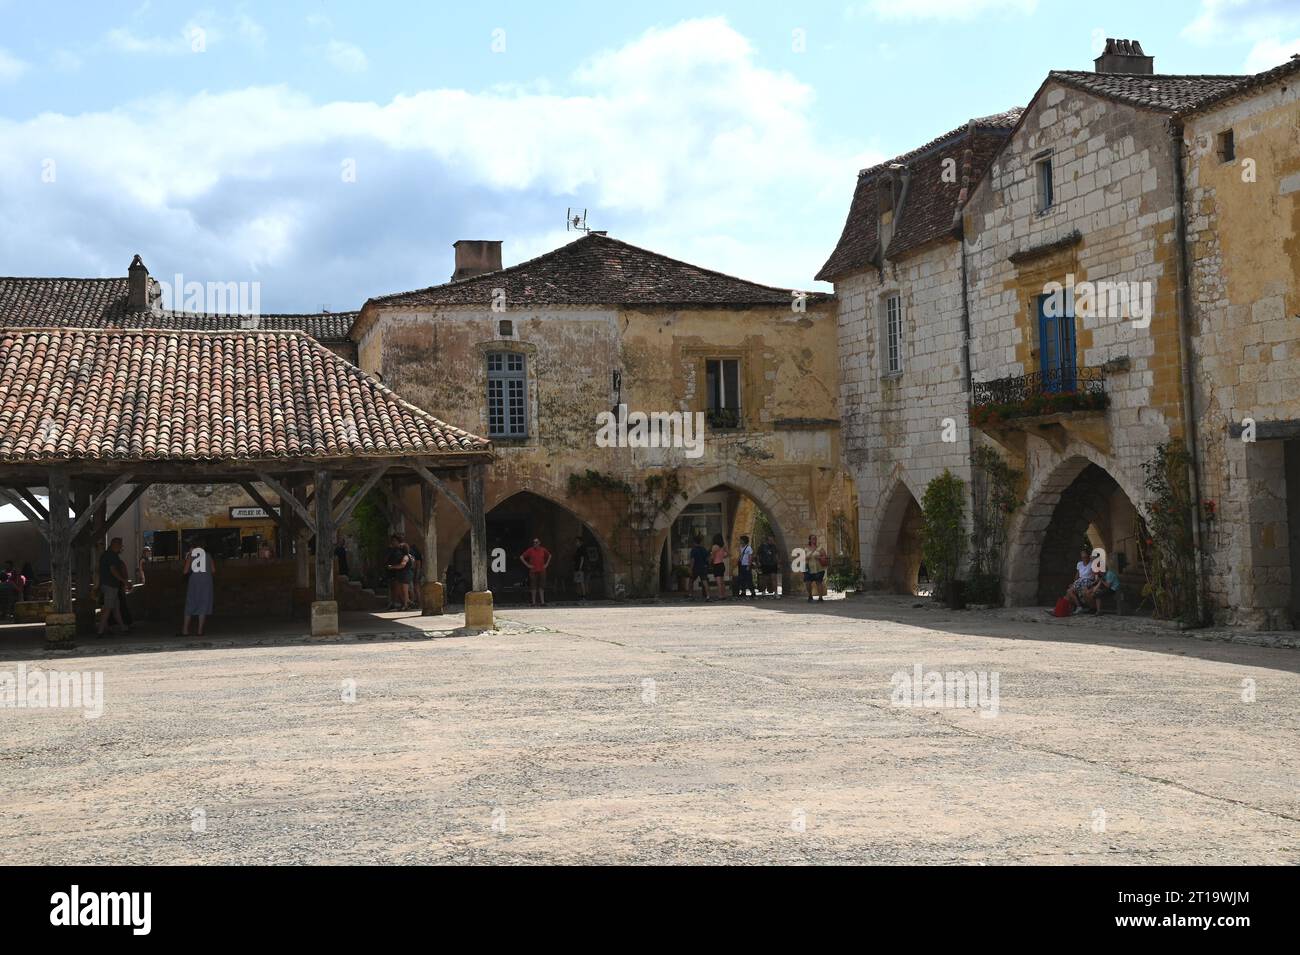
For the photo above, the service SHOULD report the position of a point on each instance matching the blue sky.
(334, 151)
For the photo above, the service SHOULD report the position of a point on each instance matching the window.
(1227, 146)
(893, 335)
(507, 395)
(722, 379)
(1045, 196)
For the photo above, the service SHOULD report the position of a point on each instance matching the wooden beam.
(41, 525)
(120, 511)
(341, 516)
(83, 567)
(397, 507)
(61, 540)
(287, 498)
(260, 501)
(84, 518)
(477, 528)
(324, 537)
(34, 501)
(435, 482)
(428, 509)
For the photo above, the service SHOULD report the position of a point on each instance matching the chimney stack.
(137, 286)
(476, 256)
(1125, 56)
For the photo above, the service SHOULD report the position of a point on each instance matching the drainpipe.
(1185, 344)
(959, 227)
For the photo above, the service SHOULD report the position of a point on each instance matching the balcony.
(723, 419)
(1057, 406)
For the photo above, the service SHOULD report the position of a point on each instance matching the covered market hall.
(93, 416)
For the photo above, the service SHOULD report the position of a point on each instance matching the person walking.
(718, 563)
(536, 558)
(699, 559)
(112, 583)
(394, 563)
(198, 589)
(769, 566)
(745, 574)
(580, 568)
(814, 575)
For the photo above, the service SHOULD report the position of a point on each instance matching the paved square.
(660, 733)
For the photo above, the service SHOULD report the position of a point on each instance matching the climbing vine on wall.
(1165, 540)
(640, 506)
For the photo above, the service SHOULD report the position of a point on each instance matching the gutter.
(1185, 344)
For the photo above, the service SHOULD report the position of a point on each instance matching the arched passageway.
(1093, 511)
(896, 556)
(732, 513)
(511, 527)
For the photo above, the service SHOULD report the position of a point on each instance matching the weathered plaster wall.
(1115, 184)
(1244, 239)
(787, 452)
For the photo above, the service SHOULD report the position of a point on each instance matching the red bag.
(1063, 608)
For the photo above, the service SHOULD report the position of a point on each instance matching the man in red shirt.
(537, 558)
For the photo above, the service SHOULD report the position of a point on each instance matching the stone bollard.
(478, 610)
(431, 598)
(325, 618)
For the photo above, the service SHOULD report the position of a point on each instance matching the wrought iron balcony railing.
(1023, 388)
(723, 419)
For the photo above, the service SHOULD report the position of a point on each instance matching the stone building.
(532, 354)
(898, 273)
(1243, 234)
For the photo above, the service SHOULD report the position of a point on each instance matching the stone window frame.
(882, 302)
(1044, 182)
(529, 352)
(700, 356)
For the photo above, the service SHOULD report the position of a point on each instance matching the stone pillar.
(478, 604)
(60, 623)
(325, 609)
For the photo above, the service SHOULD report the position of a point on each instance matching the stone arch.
(566, 505)
(788, 525)
(895, 558)
(1040, 528)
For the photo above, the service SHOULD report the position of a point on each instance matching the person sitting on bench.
(1105, 585)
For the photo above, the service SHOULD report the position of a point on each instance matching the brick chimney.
(476, 256)
(137, 286)
(1125, 56)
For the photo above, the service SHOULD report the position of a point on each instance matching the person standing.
(198, 588)
(536, 558)
(699, 558)
(417, 571)
(718, 563)
(769, 567)
(745, 575)
(112, 583)
(580, 568)
(814, 575)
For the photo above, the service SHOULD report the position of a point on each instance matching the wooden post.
(83, 566)
(60, 624)
(478, 605)
(431, 593)
(396, 520)
(301, 535)
(477, 528)
(325, 610)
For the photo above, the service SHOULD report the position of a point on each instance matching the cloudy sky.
(334, 151)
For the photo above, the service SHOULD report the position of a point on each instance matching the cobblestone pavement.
(731, 732)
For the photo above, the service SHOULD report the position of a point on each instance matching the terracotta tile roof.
(200, 396)
(1249, 83)
(1165, 92)
(929, 201)
(598, 270)
(102, 303)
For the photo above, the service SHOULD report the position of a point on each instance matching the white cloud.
(10, 67)
(941, 9)
(679, 141)
(346, 56)
(1262, 23)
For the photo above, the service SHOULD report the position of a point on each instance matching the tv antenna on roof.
(576, 221)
